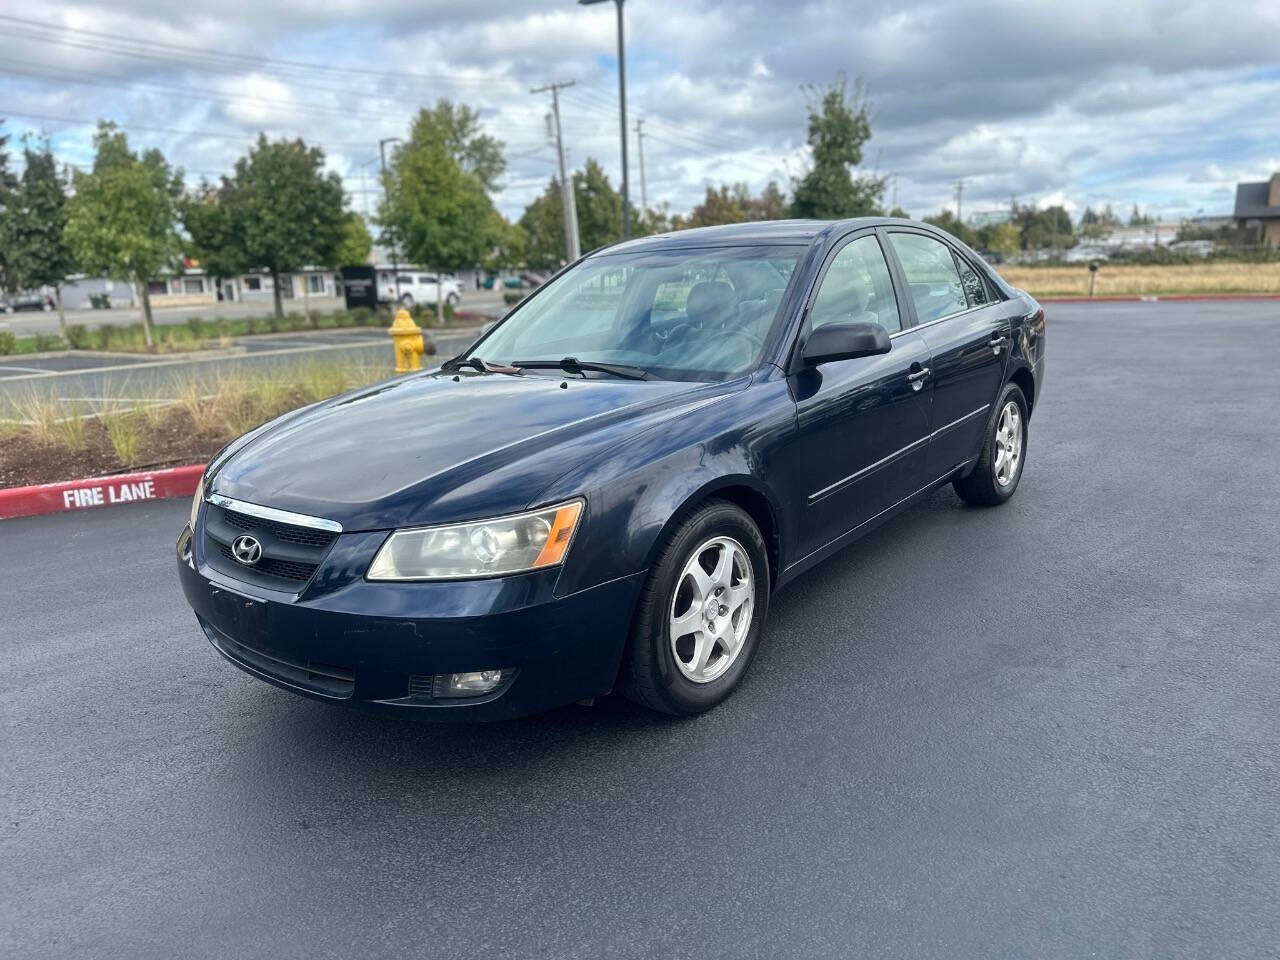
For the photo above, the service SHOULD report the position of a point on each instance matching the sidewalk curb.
(69, 495)
(1154, 298)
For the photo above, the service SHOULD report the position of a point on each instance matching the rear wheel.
(452, 299)
(995, 476)
(406, 301)
(700, 614)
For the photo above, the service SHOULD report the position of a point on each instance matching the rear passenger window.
(974, 288)
(932, 276)
(857, 289)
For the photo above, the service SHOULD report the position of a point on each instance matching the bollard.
(406, 340)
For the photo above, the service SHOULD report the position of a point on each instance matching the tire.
(659, 672)
(406, 301)
(452, 299)
(991, 481)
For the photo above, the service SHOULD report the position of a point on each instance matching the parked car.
(604, 491)
(423, 288)
(14, 302)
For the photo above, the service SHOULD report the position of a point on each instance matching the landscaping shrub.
(8, 343)
(124, 430)
(511, 299)
(361, 317)
(79, 337)
(102, 336)
(48, 341)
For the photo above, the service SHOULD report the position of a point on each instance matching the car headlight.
(481, 548)
(195, 503)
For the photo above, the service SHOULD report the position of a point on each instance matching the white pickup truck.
(414, 287)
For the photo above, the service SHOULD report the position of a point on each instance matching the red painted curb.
(1152, 298)
(99, 491)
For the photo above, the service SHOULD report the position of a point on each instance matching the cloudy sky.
(1165, 103)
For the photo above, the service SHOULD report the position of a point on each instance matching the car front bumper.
(373, 644)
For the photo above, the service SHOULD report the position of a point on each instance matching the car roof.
(756, 232)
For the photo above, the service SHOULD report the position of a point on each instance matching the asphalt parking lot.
(1045, 730)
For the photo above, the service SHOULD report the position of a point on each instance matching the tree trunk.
(62, 316)
(276, 294)
(146, 316)
(439, 299)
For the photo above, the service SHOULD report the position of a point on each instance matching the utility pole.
(895, 191)
(959, 194)
(567, 203)
(644, 196)
(622, 122)
(395, 257)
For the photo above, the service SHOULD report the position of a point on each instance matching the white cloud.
(1164, 103)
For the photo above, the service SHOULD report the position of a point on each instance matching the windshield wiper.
(574, 365)
(475, 363)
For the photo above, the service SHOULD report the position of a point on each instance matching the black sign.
(360, 285)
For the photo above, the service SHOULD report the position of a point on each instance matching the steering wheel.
(678, 332)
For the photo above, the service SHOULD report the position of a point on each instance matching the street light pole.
(386, 198)
(622, 103)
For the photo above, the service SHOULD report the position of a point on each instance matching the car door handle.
(918, 377)
(999, 341)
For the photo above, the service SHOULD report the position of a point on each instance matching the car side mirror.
(844, 341)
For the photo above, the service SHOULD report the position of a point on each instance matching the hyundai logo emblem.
(246, 550)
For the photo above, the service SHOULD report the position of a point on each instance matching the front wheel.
(452, 299)
(701, 613)
(406, 301)
(995, 476)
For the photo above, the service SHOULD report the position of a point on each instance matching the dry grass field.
(1123, 279)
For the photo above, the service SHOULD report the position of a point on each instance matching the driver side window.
(857, 289)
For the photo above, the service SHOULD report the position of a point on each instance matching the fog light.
(470, 684)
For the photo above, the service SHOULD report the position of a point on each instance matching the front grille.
(327, 679)
(284, 569)
(281, 531)
(291, 553)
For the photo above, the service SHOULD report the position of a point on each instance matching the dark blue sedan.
(604, 491)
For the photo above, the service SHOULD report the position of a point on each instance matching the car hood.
(438, 447)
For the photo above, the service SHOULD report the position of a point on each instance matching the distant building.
(1258, 208)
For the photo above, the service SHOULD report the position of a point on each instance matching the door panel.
(967, 333)
(969, 353)
(861, 441)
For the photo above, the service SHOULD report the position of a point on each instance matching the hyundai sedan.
(604, 491)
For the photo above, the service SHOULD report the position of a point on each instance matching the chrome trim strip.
(879, 463)
(956, 423)
(271, 513)
(872, 519)
(897, 453)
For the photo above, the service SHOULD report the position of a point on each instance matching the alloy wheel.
(1008, 444)
(712, 608)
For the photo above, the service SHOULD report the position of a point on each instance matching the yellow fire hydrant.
(406, 340)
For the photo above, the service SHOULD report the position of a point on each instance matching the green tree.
(543, 227)
(457, 127)
(1001, 237)
(599, 217)
(599, 207)
(35, 236)
(206, 215)
(946, 220)
(120, 220)
(839, 127)
(1047, 229)
(1140, 219)
(8, 188)
(356, 244)
(437, 209)
(285, 212)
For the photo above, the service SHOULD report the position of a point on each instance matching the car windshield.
(676, 314)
